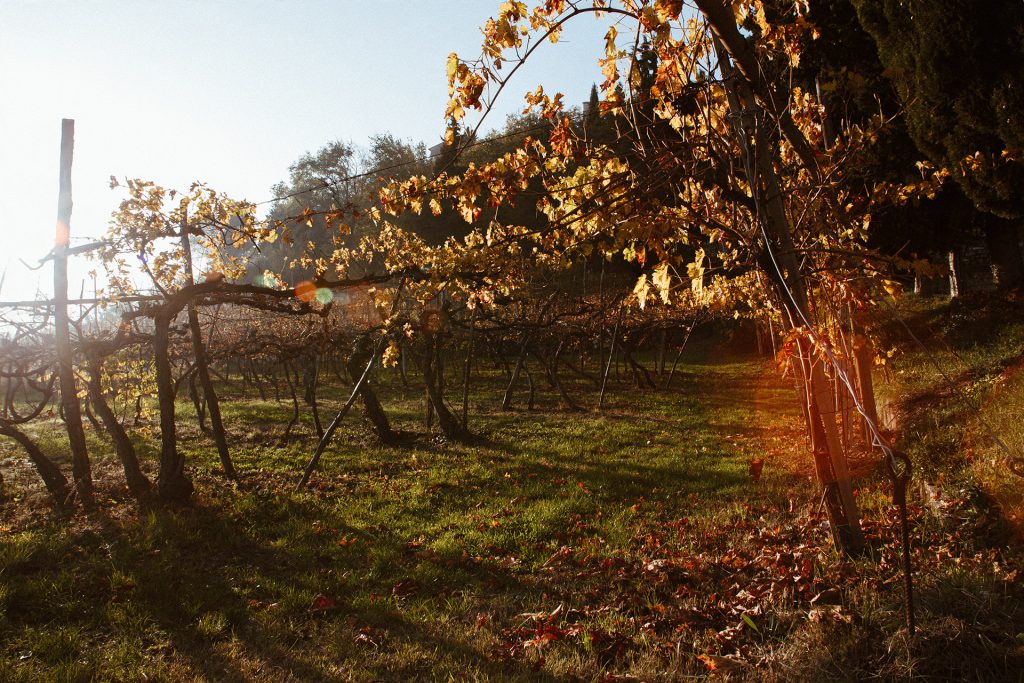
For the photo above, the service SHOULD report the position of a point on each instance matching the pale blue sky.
(229, 92)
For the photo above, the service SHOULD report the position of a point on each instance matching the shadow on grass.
(225, 599)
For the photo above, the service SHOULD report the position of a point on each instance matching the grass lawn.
(628, 545)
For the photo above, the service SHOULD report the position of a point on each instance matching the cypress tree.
(956, 66)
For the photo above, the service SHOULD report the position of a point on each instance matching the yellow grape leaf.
(695, 271)
(641, 290)
(389, 358)
(662, 280)
(668, 9)
(452, 69)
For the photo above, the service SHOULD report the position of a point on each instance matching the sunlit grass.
(948, 422)
(412, 543)
(427, 561)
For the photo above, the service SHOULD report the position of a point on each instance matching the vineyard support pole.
(66, 371)
(611, 356)
(466, 370)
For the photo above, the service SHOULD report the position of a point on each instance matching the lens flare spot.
(305, 291)
(63, 234)
(324, 296)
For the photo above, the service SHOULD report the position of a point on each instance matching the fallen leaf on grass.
(322, 604)
(830, 613)
(405, 588)
(368, 636)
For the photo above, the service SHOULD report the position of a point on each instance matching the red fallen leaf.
(829, 596)
(368, 636)
(545, 633)
(609, 646)
(756, 465)
(710, 663)
(723, 664)
(323, 603)
(405, 588)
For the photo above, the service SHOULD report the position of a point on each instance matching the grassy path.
(633, 544)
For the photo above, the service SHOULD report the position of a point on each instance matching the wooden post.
(864, 359)
(466, 369)
(65, 360)
(954, 274)
(679, 353)
(331, 428)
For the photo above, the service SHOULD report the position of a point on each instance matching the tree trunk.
(202, 368)
(450, 426)
(506, 400)
(662, 346)
(530, 384)
(197, 402)
(311, 378)
(466, 369)
(611, 357)
(562, 393)
(954, 273)
(401, 366)
(295, 402)
(864, 361)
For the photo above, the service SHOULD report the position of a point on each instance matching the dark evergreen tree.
(956, 66)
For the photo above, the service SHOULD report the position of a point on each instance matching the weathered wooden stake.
(466, 370)
(65, 361)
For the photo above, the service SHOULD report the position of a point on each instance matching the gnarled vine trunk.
(137, 482)
(54, 480)
(362, 353)
(172, 483)
(781, 265)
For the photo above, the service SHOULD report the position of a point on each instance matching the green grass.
(560, 546)
(948, 430)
